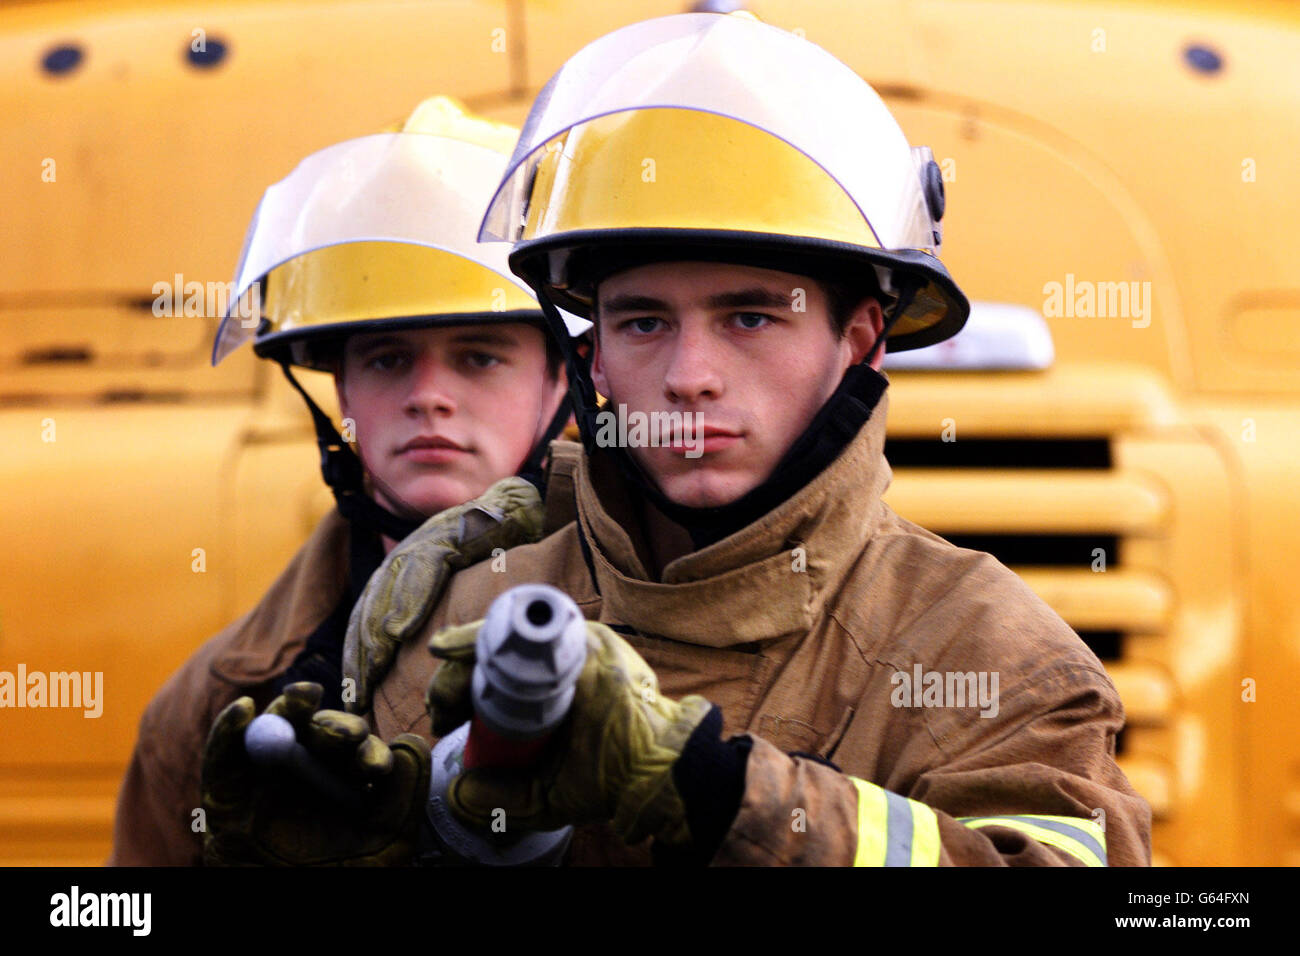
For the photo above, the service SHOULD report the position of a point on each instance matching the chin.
(432, 496)
(703, 490)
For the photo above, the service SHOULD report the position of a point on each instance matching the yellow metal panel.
(135, 335)
(116, 555)
(1268, 327)
(1201, 649)
(1147, 691)
(1021, 197)
(881, 45)
(1111, 599)
(57, 815)
(1259, 439)
(1071, 400)
(57, 811)
(159, 164)
(1152, 781)
(101, 351)
(1201, 155)
(971, 501)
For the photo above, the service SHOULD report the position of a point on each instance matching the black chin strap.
(582, 392)
(835, 425)
(342, 471)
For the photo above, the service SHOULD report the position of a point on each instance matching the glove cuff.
(649, 804)
(710, 777)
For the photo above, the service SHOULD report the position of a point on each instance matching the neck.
(666, 540)
(391, 504)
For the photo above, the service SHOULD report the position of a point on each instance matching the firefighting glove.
(404, 590)
(274, 816)
(611, 760)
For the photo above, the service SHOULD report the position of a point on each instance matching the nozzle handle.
(530, 651)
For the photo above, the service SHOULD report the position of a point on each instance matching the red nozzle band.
(486, 748)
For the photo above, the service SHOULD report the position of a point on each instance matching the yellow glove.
(404, 590)
(611, 760)
(272, 817)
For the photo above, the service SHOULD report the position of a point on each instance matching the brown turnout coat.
(797, 627)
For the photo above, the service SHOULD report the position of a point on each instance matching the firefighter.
(447, 381)
(780, 669)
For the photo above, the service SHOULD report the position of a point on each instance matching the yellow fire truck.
(1118, 423)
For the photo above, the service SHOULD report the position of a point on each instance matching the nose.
(692, 373)
(430, 390)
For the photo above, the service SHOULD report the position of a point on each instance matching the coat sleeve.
(155, 821)
(1038, 787)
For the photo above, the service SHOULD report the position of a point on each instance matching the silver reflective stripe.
(1076, 833)
(898, 852)
(893, 830)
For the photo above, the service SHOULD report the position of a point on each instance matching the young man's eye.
(386, 361)
(750, 321)
(482, 359)
(642, 325)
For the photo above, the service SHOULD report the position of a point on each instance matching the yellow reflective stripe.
(1090, 838)
(925, 835)
(893, 830)
(873, 811)
(1083, 830)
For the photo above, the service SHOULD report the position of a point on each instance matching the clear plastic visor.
(745, 70)
(393, 187)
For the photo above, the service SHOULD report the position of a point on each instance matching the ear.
(861, 331)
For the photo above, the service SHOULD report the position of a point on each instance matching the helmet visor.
(738, 68)
(391, 187)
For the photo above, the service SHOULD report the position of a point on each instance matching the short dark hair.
(843, 298)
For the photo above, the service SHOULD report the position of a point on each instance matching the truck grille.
(1053, 480)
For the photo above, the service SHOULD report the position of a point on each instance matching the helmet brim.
(569, 267)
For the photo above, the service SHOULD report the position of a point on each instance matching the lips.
(680, 435)
(430, 443)
(706, 439)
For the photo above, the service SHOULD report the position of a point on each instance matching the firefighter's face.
(441, 414)
(750, 353)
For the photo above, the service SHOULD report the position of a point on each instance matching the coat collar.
(767, 581)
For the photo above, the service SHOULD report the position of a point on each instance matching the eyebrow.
(756, 296)
(633, 303)
(744, 298)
